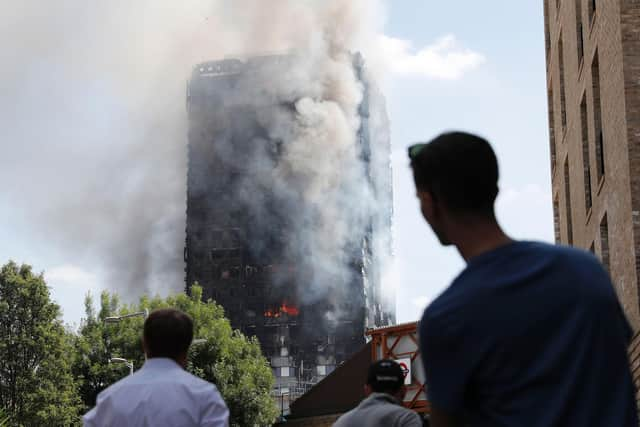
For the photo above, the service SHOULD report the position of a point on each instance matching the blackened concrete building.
(241, 222)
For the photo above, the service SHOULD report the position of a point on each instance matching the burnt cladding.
(244, 242)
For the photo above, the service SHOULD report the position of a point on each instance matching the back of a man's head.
(167, 333)
(385, 376)
(460, 170)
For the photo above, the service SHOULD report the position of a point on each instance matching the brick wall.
(630, 36)
(607, 77)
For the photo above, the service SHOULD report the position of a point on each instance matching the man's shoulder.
(175, 378)
(535, 249)
(345, 420)
(192, 383)
(471, 285)
(375, 409)
(567, 260)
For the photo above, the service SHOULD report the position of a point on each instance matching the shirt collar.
(383, 397)
(161, 363)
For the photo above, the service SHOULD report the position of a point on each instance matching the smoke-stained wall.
(289, 203)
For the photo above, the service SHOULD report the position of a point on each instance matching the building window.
(567, 200)
(284, 371)
(321, 370)
(552, 134)
(585, 154)
(547, 36)
(216, 239)
(563, 103)
(592, 9)
(556, 219)
(579, 30)
(597, 116)
(604, 242)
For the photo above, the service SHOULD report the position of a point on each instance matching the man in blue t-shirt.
(529, 334)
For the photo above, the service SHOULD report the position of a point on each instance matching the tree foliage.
(4, 418)
(36, 385)
(233, 362)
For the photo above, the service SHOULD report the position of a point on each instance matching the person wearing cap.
(529, 334)
(383, 405)
(161, 393)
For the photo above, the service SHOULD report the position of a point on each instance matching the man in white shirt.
(161, 393)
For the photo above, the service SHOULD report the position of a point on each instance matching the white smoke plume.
(93, 122)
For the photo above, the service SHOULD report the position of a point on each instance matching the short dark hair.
(459, 169)
(167, 333)
(385, 376)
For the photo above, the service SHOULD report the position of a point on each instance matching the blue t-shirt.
(530, 334)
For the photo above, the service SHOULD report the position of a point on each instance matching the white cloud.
(445, 59)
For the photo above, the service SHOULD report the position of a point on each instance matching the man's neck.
(473, 239)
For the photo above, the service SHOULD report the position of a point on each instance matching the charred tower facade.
(250, 220)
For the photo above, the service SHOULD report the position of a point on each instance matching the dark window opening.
(552, 135)
(547, 36)
(217, 254)
(216, 239)
(579, 30)
(604, 242)
(563, 103)
(556, 219)
(585, 154)
(597, 117)
(567, 195)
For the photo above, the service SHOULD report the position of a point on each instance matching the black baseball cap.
(385, 376)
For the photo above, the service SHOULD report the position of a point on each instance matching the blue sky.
(503, 99)
(476, 66)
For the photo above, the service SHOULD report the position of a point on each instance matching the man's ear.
(425, 196)
(427, 204)
(367, 390)
(144, 348)
(401, 393)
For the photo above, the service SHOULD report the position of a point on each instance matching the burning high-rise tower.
(289, 206)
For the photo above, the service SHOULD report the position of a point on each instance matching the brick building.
(593, 85)
(593, 90)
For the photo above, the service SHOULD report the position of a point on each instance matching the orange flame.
(290, 310)
(283, 309)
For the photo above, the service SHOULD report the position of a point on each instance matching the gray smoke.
(93, 124)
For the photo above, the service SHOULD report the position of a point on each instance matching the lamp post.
(284, 393)
(116, 319)
(124, 361)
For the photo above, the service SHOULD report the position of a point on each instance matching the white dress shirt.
(160, 394)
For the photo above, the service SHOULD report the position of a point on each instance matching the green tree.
(36, 385)
(233, 362)
(4, 418)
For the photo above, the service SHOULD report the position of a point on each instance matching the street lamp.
(116, 319)
(125, 361)
(284, 393)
